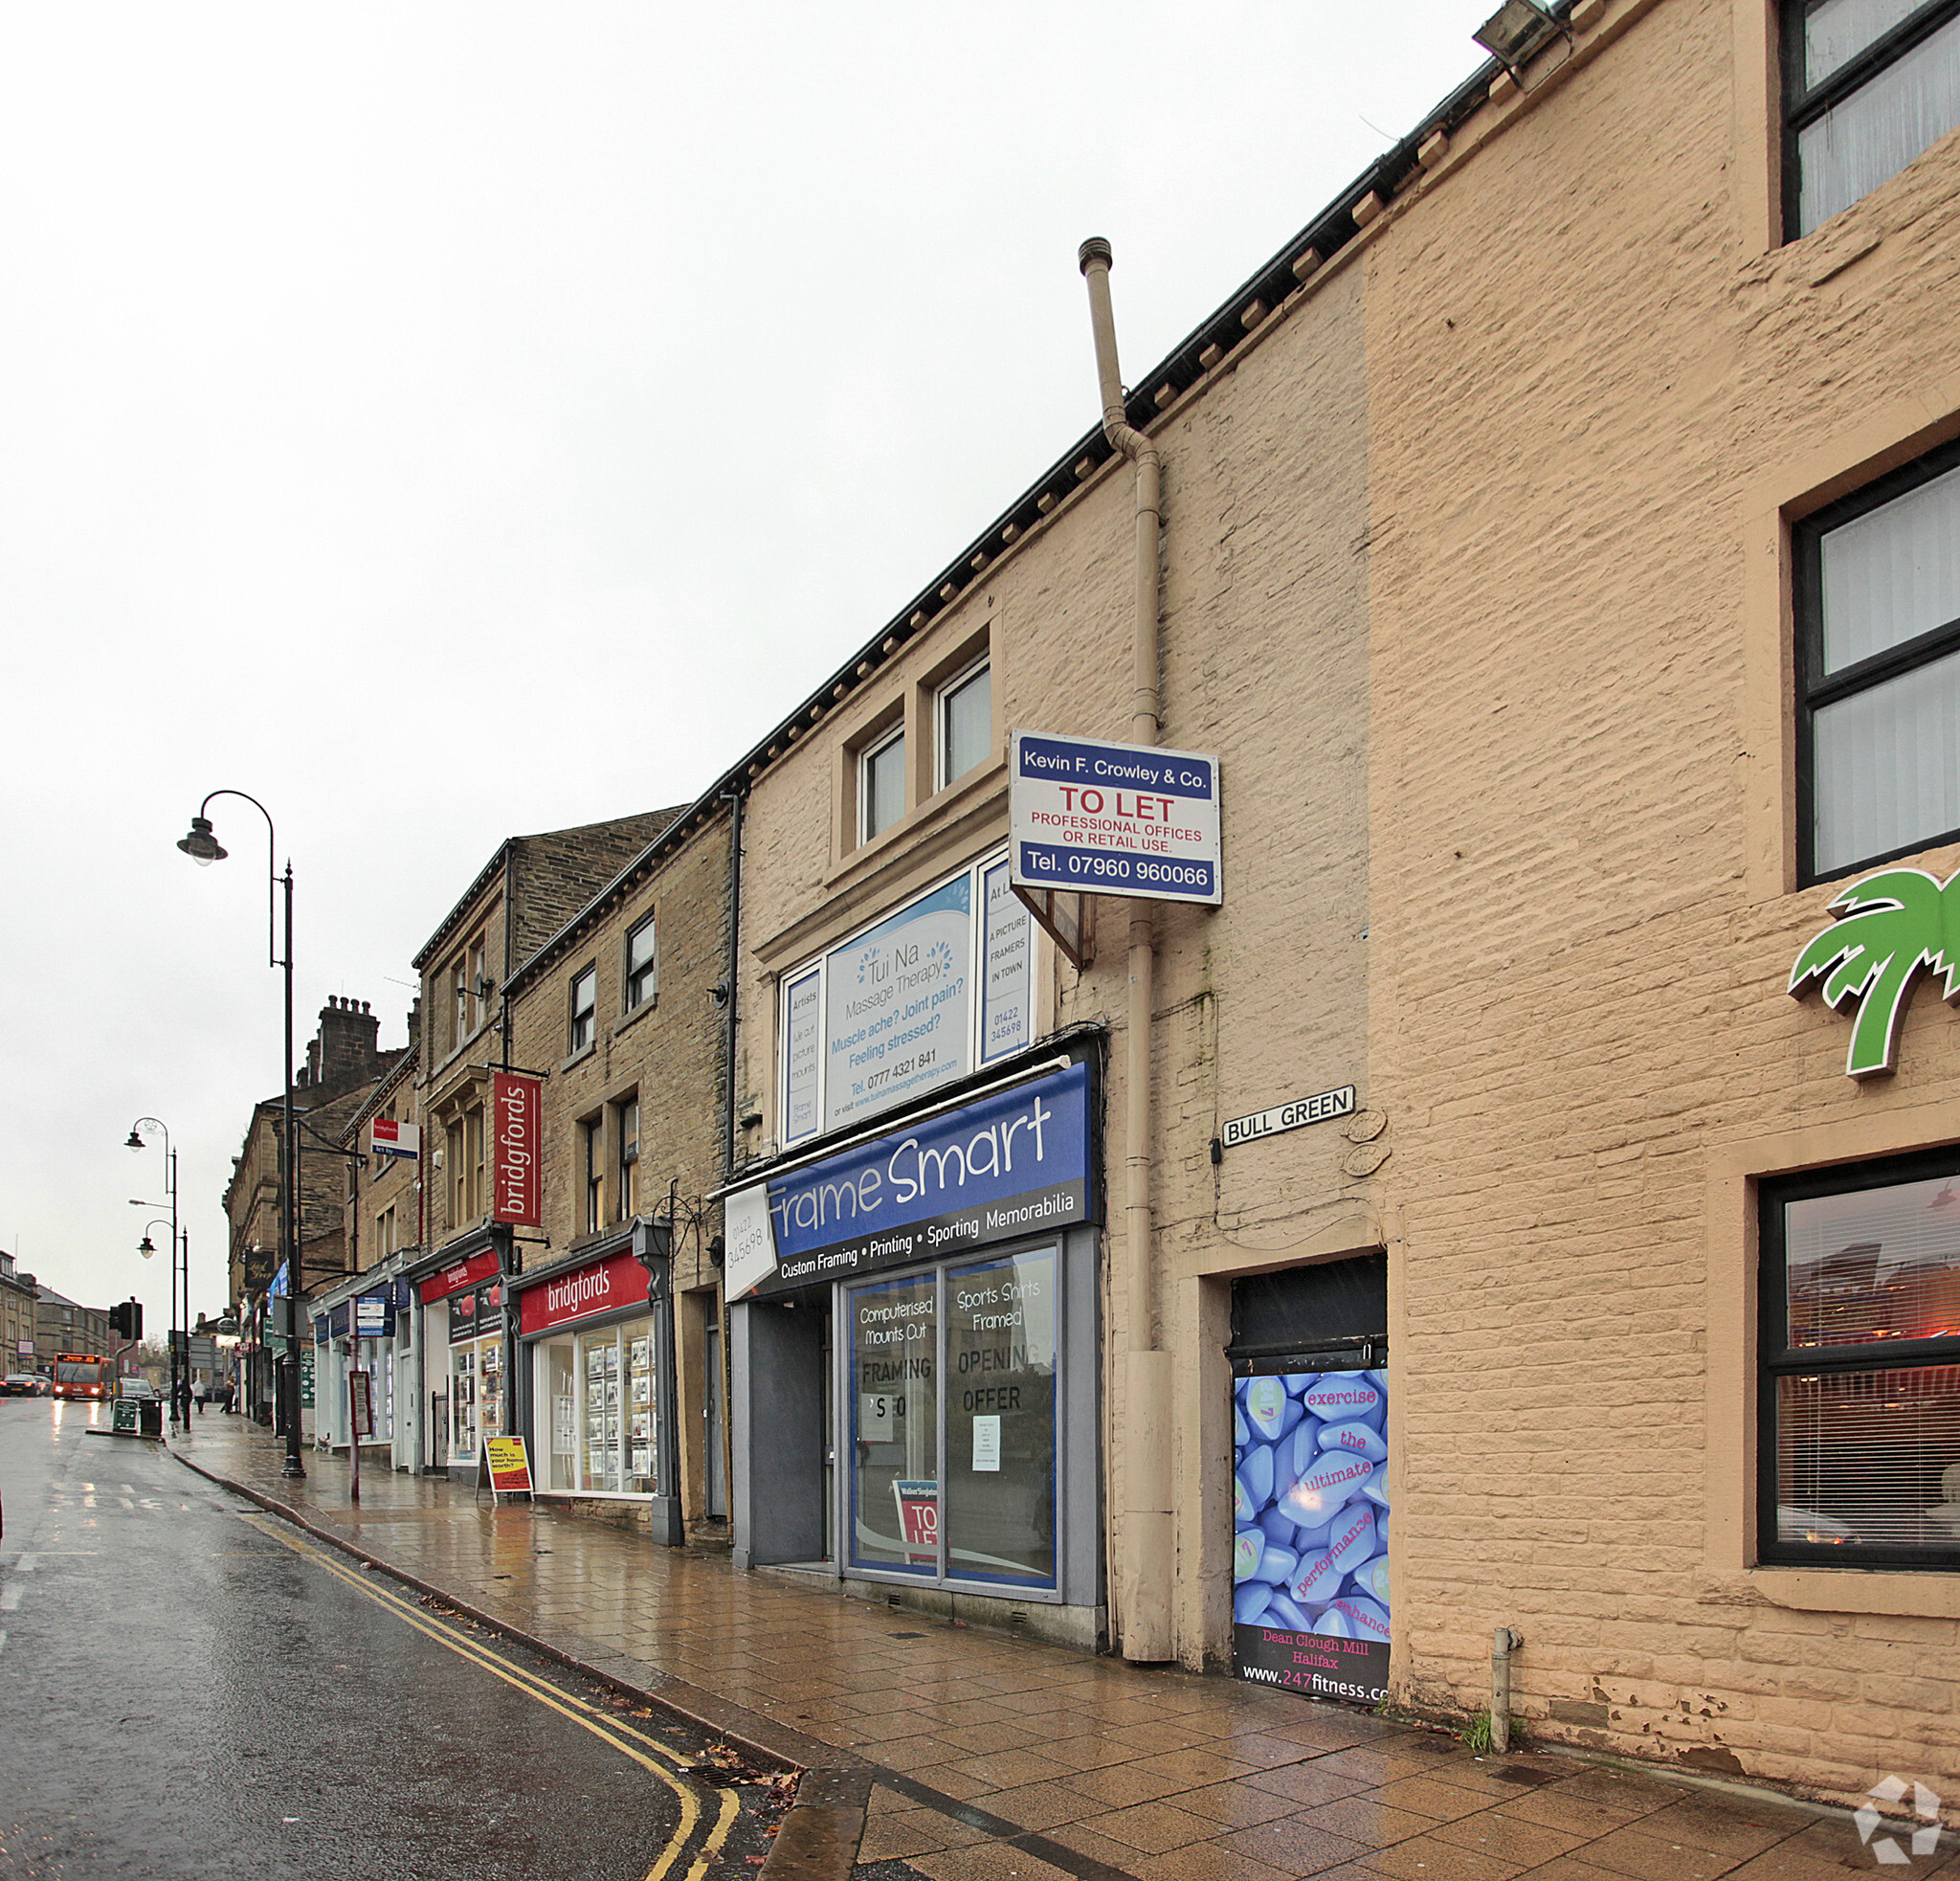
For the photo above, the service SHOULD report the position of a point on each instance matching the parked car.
(137, 1388)
(23, 1384)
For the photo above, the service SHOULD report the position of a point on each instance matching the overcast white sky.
(447, 421)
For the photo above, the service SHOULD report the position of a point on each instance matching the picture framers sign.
(1011, 1164)
(1114, 819)
(516, 1185)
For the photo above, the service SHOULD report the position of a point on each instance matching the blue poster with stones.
(1311, 1544)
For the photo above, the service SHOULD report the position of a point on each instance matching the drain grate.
(904, 1636)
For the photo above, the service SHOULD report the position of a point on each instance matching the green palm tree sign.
(1890, 928)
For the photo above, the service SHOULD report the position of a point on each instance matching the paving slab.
(936, 1751)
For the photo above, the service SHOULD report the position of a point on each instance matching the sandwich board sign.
(505, 1468)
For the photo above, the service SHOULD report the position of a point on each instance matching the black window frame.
(589, 1011)
(1776, 1358)
(1804, 105)
(628, 1160)
(1815, 689)
(593, 1147)
(632, 995)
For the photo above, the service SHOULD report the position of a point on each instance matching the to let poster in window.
(1310, 1545)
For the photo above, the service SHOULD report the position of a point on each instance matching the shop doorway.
(714, 1411)
(1312, 1514)
(787, 1494)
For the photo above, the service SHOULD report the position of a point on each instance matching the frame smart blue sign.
(1114, 819)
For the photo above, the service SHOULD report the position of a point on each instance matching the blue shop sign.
(373, 1318)
(1009, 1165)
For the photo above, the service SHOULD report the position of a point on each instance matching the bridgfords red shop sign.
(609, 1285)
(516, 1191)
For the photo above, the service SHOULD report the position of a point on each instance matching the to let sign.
(516, 1187)
(1114, 819)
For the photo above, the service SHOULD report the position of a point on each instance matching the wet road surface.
(190, 1686)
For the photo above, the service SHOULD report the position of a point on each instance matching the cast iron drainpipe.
(1149, 1536)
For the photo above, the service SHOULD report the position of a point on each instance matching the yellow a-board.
(509, 1467)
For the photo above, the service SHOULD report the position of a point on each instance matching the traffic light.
(127, 1320)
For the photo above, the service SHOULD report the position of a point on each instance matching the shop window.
(629, 1158)
(642, 966)
(953, 1379)
(585, 1005)
(881, 785)
(1877, 620)
(1859, 1334)
(1868, 85)
(599, 1387)
(964, 722)
(928, 993)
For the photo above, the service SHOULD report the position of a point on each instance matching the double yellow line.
(652, 1756)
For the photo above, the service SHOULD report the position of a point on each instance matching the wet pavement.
(189, 1685)
(990, 1758)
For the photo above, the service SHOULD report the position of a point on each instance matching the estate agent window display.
(1859, 1322)
(598, 1391)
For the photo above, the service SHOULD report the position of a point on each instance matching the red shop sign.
(605, 1287)
(516, 1188)
(466, 1273)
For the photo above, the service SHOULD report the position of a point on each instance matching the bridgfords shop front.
(914, 1375)
(596, 1383)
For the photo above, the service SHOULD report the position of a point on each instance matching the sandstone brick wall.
(670, 1054)
(1593, 382)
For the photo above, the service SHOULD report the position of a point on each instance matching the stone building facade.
(1555, 540)
(624, 1010)
(17, 1291)
(522, 896)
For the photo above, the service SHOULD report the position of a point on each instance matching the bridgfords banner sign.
(1004, 1167)
(607, 1285)
(517, 1189)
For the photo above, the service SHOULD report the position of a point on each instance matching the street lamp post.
(134, 1141)
(203, 849)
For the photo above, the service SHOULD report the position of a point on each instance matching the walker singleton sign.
(1890, 928)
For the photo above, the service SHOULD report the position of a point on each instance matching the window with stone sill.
(1877, 586)
(585, 1004)
(881, 785)
(1868, 85)
(1859, 1387)
(642, 966)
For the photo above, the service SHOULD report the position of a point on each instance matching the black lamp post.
(203, 849)
(134, 1141)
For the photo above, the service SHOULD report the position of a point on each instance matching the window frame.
(627, 1159)
(592, 1151)
(649, 974)
(1816, 689)
(1804, 105)
(1776, 1359)
(868, 753)
(588, 1012)
(942, 700)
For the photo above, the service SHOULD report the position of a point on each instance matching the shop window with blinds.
(1859, 1336)
(1877, 632)
(1868, 86)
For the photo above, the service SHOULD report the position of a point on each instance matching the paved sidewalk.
(999, 1760)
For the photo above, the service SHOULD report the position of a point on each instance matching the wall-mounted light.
(719, 992)
(1515, 32)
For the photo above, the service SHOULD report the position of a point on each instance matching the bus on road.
(83, 1375)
